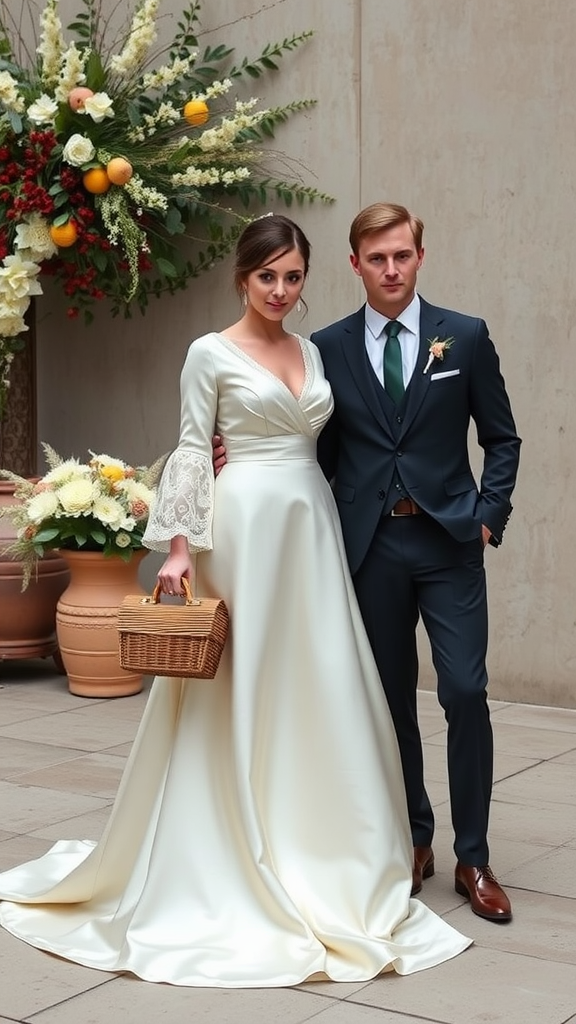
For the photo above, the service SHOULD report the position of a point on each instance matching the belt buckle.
(399, 515)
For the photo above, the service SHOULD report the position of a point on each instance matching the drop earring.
(244, 299)
(298, 306)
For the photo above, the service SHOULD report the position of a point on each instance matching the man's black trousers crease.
(414, 567)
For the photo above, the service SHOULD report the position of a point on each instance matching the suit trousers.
(415, 568)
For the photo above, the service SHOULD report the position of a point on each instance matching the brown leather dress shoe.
(423, 867)
(487, 897)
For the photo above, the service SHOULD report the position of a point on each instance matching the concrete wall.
(464, 112)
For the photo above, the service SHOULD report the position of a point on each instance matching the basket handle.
(190, 599)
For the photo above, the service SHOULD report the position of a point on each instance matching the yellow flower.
(111, 473)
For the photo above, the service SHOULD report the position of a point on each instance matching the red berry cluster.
(23, 171)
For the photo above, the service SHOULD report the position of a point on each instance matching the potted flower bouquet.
(94, 514)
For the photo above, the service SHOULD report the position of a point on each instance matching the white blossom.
(106, 460)
(43, 110)
(165, 76)
(11, 322)
(18, 278)
(145, 196)
(72, 72)
(76, 496)
(78, 150)
(98, 106)
(9, 95)
(197, 177)
(109, 511)
(42, 506)
(69, 469)
(52, 44)
(224, 136)
(33, 238)
(140, 38)
(213, 90)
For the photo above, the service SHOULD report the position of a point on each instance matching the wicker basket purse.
(184, 640)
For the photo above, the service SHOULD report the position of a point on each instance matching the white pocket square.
(444, 373)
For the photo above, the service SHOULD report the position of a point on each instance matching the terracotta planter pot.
(28, 618)
(87, 623)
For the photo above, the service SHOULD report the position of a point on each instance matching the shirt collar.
(409, 318)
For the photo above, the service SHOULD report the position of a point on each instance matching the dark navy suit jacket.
(426, 438)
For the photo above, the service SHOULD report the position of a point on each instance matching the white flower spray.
(140, 38)
(52, 45)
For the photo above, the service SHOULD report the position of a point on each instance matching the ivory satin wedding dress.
(259, 836)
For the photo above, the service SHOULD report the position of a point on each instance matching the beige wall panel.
(462, 110)
(467, 118)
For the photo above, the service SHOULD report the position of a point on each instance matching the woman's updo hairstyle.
(271, 235)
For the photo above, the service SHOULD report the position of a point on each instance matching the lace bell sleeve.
(185, 497)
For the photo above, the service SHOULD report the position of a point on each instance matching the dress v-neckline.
(265, 369)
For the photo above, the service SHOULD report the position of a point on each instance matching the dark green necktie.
(393, 380)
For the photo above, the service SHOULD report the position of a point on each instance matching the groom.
(407, 378)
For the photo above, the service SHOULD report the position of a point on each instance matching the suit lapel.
(431, 320)
(354, 348)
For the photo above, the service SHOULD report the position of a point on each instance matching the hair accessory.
(262, 215)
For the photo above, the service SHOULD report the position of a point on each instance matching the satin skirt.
(259, 836)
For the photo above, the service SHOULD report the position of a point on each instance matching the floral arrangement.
(102, 505)
(436, 349)
(112, 152)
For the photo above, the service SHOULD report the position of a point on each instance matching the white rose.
(42, 506)
(78, 150)
(98, 106)
(123, 540)
(43, 110)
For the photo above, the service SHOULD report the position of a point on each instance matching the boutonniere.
(438, 347)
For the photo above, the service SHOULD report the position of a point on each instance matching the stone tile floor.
(60, 762)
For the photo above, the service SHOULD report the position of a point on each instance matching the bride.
(259, 836)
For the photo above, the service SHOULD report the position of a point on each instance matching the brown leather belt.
(406, 507)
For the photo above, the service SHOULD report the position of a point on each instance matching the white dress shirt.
(409, 338)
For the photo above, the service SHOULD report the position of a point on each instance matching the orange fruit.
(96, 180)
(119, 170)
(64, 235)
(196, 112)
